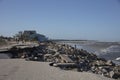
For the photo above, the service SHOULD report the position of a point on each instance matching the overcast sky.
(63, 19)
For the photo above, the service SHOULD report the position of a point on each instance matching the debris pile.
(68, 58)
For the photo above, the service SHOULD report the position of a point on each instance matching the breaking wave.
(111, 53)
(113, 48)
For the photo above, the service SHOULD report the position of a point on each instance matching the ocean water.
(78, 46)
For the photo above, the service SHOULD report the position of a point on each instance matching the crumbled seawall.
(87, 61)
(69, 58)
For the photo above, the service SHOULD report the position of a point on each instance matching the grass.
(2, 42)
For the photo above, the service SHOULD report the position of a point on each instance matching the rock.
(110, 63)
(93, 69)
(35, 58)
(55, 65)
(114, 75)
(104, 71)
(51, 64)
(99, 63)
(23, 57)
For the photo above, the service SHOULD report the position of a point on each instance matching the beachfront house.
(31, 35)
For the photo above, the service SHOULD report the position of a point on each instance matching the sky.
(62, 19)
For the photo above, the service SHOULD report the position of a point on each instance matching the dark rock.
(110, 63)
(51, 64)
(114, 75)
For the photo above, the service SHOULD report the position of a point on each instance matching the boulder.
(110, 63)
(114, 75)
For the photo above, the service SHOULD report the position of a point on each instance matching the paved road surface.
(18, 69)
(18, 45)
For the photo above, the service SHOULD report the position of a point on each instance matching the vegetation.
(2, 42)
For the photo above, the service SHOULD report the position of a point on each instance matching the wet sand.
(19, 69)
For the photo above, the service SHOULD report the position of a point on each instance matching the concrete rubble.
(69, 58)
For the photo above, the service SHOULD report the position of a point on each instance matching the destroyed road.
(19, 69)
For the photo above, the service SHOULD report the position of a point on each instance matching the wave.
(113, 48)
(117, 58)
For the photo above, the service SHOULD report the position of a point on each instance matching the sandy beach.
(19, 69)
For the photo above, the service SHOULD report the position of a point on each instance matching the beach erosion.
(17, 69)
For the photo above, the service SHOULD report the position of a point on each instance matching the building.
(28, 35)
(28, 32)
(39, 37)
